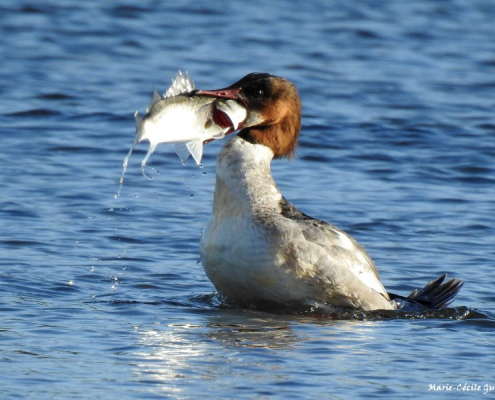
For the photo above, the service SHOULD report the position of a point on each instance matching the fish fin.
(182, 151)
(195, 147)
(156, 98)
(139, 128)
(220, 134)
(180, 85)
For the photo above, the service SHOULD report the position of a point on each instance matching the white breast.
(251, 251)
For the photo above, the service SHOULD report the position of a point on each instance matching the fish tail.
(139, 127)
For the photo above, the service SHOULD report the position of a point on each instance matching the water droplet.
(191, 195)
(143, 171)
(124, 169)
(204, 173)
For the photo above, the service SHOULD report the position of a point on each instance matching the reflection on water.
(174, 355)
(262, 335)
(168, 357)
(396, 148)
(232, 347)
(171, 352)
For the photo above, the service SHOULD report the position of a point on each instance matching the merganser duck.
(257, 248)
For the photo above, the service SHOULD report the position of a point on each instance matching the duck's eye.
(261, 93)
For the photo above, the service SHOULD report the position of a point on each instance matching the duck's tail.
(436, 294)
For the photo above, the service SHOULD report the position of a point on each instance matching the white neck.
(244, 179)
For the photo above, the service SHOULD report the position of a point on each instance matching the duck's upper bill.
(273, 110)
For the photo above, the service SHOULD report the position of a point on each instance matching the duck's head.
(273, 111)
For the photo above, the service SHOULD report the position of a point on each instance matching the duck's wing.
(340, 248)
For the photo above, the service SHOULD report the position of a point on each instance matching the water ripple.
(396, 148)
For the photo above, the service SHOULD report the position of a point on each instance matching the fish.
(183, 117)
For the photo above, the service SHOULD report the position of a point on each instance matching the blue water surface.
(106, 298)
